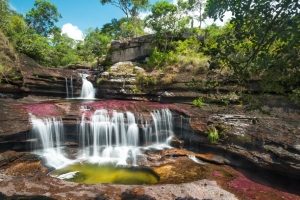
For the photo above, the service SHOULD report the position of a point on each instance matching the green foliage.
(213, 135)
(54, 79)
(4, 12)
(42, 18)
(95, 44)
(160, 59)
(135, 90)
(133, 28)
(166, 19)
(131, 8)
(100, 80)
(262, 39)
(199, 102)
(244, 139)
(222, 129)
(145, 80)
(268, 148)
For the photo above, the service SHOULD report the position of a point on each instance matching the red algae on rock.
(40, 110)
(253, 190)
(133, 106)
(217, 174)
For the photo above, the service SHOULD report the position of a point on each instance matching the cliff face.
(132, 49)
(21, 75)
(138, 48)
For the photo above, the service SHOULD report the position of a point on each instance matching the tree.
(198, 6)
(167, 19)
(131, 8)
(113, 29)
(4, 12)
(264, 36)
(42, 18)
(96, 43)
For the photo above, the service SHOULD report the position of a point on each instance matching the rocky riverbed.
(249, 161)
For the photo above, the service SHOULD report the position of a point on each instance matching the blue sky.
(77, 15)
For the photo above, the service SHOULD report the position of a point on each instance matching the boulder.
(132, 49)
(116, 66)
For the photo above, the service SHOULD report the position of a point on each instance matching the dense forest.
(260, 42)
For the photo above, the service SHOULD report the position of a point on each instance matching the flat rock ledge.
(58, 189)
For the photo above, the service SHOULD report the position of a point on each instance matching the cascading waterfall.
(108, 136)
(50, 131)
(67, 88)
(87, 90)
(72, 86)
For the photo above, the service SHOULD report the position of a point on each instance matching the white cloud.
(72, 31)
(143, 15)
(12, 7)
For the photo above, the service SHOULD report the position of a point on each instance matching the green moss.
(222, 129)
(244, 139)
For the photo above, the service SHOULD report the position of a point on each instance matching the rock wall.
(130, 49)
(137, 48)
(31, 78)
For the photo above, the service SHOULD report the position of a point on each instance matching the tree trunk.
(192, 25)
(166, 43)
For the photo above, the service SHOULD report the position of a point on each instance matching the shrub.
(213, 135)
(199, 102)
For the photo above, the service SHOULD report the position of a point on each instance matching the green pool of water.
(106, 173)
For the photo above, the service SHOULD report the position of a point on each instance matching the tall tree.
(4, 12)
(198, 6)
(167, 19)
(42, 18)
(131, 8)
(96, 43)
(267, 33)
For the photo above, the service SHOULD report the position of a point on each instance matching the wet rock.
(177, 143)
(9, 156)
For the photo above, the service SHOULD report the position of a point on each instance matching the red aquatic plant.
(253, 190)
(40, 110)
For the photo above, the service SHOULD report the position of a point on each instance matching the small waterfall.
(72, 86)
(87, 90)
(163, 123)
(108, 136)
(67, 88)
(51, 133)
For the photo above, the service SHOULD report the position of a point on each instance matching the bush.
(161, 59)
(199, 102)
(213, 135)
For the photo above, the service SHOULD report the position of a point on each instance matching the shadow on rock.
(21, 197)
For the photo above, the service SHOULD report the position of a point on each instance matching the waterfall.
(72, 86)
(67, 88)
(108, 136)
(87, 90)
(50, 131)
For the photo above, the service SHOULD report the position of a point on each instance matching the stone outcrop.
(32, 78)
(132, 49)
(138, 48)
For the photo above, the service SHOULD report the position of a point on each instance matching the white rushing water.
(193, 158)
(109, 136)
(87, 90)
(67, 88)
(72, 86)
